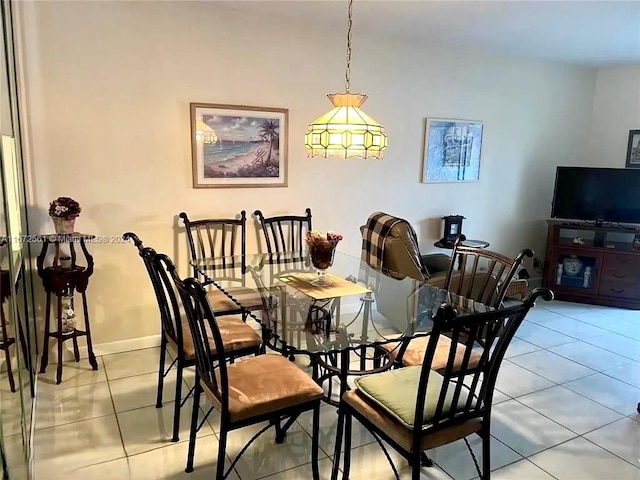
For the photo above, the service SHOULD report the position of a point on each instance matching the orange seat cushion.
(265, 384)
(236, 336)
(248, 298)
(414, 354)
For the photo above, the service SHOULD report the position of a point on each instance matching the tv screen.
(607, 194)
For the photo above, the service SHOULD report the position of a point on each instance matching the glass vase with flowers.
(322, 247)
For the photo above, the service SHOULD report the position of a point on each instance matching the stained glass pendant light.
(346, 131)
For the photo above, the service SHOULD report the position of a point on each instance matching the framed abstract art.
(452, 150)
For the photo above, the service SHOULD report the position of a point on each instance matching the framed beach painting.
(238, 146)
(451, 151)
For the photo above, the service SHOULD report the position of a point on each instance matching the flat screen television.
(597, 194)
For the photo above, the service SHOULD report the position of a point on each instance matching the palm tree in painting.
(269, 131)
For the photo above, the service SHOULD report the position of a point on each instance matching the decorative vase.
(322, 252)
(68, 315)
(63, 226)
(572, 265)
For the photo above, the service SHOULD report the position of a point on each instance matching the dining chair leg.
(178, 402)
(163, 353)
(338, 445)
(348, 421)
(7, 355)
(222, 447)
(486, 454)
(315, 445)
(194, 425)
(416, 465)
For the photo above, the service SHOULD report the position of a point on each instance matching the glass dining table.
(338, 327)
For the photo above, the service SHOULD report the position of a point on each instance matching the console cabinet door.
(572, 270)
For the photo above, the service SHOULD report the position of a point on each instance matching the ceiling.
(590, 33)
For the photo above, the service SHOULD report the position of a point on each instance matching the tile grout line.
(106, 374)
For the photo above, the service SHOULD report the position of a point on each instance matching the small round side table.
(64, 281)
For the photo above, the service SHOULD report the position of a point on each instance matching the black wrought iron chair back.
(218, 380)
(443, 406)
(218, 238)
(481, 274)
(285, 233)
(174, 335)
(222, 242)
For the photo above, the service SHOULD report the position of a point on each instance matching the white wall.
(109, 85)
(616, 110)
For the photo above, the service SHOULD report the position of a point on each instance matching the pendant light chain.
(348, 71)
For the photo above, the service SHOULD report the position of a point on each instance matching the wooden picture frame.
(452, 150)
(633, 149)
(238, 146)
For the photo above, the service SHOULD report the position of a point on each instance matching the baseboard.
(119, 346)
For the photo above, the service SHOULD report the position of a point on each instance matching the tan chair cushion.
(400, 433)
(248, 298)
(414, 354)
(264, 384)
(236, 336)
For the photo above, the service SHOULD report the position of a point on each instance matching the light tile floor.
(565, 408)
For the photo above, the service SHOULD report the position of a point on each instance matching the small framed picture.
(451, 150)
(633, 149)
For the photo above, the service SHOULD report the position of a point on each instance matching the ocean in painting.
(221, 152)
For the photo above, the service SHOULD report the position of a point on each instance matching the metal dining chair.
(266, 388)
(417, 408)
(238, 337)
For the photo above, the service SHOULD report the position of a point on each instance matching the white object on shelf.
(559, 270)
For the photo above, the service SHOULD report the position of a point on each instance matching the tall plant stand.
(65, 280)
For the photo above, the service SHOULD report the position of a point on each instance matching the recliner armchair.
(402, 257)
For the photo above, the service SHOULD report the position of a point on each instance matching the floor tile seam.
(538, 466)
(548, 418)
(528, 457)
(550, 346)
(113, 405)
(612, 351)
(569, 359)
(594, 346)
(615, 333)
(609, 451)
(624, 335)
(522, 457)
(582, 395)
(319, 446)
(127, 376)
(605, 331)
(39, 429)
(618, 379)
(593, 400)
(55, 388)
(288, 469)
(622, 415)
(547, 349)
(71, 423)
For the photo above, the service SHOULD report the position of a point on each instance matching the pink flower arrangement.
(64, 207)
